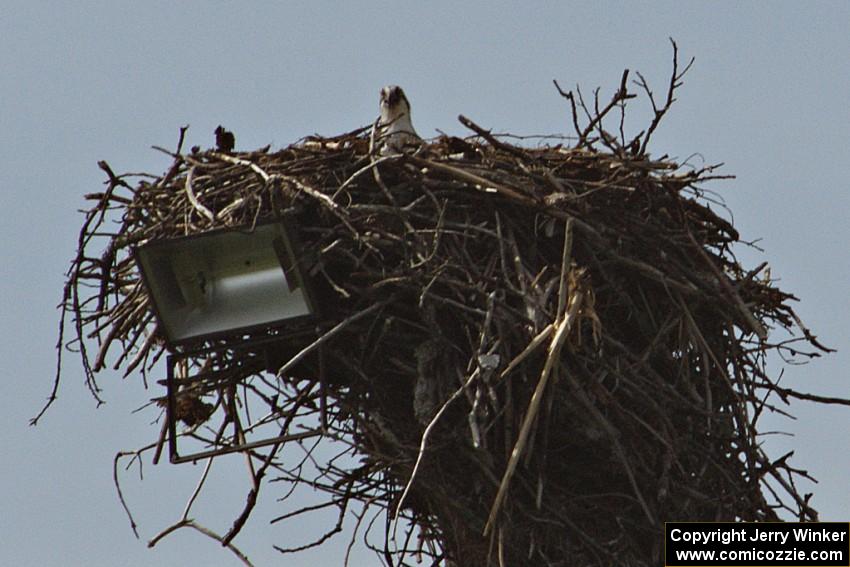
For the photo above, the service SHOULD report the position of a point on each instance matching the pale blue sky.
(85, 81)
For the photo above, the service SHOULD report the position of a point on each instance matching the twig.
(190, 193)
(621, 95)
(675, 82)
(117, 484)
(206, 531)
(477, 181)
(422, 444)
(197, 491)
(487, 135)
(329, 335)
(569, 96)
(531, 347)
(366, 168)
(566, 259)
(787, 392)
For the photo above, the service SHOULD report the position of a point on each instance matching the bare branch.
(675, 82)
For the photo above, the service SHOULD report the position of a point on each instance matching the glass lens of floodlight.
(223, 282)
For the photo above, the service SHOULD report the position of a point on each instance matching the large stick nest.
(539, 356)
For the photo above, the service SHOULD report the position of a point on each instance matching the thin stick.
(566, 259)
(535, 342)
(365, 169)
(190, 193)
(487, 135)
(117, 483)
(328, 336)
(423, 442)
(479, 182)
(204, 530)
(197, 490)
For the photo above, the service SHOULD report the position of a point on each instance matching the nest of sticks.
(533, 355)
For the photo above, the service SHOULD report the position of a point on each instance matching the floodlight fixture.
(226, 282)
(230, 284)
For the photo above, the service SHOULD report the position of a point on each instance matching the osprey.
(394, 131)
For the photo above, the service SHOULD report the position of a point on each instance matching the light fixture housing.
(226, 282)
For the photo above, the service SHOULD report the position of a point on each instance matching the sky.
(86, 81)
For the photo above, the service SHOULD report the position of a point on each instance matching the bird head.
(395, 108)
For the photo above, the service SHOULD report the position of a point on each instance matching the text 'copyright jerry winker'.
(698, 544)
